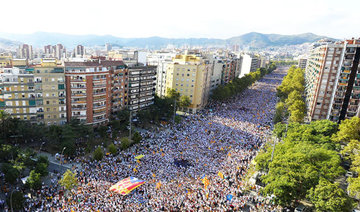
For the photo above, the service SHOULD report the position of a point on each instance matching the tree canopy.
(305, 155)
(68, 180)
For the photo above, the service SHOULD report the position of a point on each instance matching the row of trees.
(238, 85)
(17, 163)
(307, 165)
(291, 93)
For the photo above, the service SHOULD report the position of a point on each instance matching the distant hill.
(8, 44)
(253, 39)
(258, 40)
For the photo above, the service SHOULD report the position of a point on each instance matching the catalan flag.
(126, 185)
(221, 175)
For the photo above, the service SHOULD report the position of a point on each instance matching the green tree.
(279, 130)
(293, 96)
(137, 137)
(68, 180)
(349, 129)
(17, 200)
(279, 112)
(41, 168)
(125, 143)
(11, 173)
(297, 111)
(354, 187)
(34, 180)
(112, 149)
(173, 94)
(98, 154)
(177, 119)
(184, 101)
(327, 196)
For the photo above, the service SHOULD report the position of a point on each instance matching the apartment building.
(17, 93)
(302, 62)
(160, 59)
(250, 63)
(333, 81)
(50, 96)
(229, 70)
(142, 85)
(88, 89)
(190, 76)
(25, 51)
(5, 60)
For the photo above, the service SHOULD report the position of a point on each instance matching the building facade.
(88, 89)
(17, 93)
(142, 85)
(332, 79)
(190, 76)
(160, 60)
(50, 96)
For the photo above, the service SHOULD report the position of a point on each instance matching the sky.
(182, 18)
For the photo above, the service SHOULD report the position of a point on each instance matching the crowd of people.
(217, 144)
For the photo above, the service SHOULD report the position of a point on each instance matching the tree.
(349, 129)
(293, 96)
(34, 180)
(327, 196)
(68, 180)
(354, 187)
(112, 149)
(41, 168)
(137, 137)
(184, 101)
(177, 119)
(279, 112)
(98, 154)
(17, 200)
(125, 143)
(11, 174)
(70, 147)
(297, 111)
(303, 157)
(279, 130)
(173, 94)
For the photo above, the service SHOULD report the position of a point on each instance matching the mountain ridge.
(251, 39)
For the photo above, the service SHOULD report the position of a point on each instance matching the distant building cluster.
(53, 85)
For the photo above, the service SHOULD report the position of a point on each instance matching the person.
(226, 140)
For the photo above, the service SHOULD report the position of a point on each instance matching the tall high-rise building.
(160, 59)
(60, 51)
(25, 51)
(190, 76)
(332, 79)
(108, 47)
(142, 83)
(79, 51)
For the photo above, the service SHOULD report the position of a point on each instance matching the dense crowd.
(217, 143)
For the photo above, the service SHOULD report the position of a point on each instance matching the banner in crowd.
(126, 185)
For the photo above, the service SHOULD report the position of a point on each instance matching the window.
(47, 102)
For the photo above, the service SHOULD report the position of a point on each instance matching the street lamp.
(41, 146)
(62, 155)
(11, 201)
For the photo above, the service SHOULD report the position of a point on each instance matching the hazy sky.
(182, 18)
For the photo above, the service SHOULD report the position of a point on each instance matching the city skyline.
(200, 19)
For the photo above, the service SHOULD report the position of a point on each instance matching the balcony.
(77, 108)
